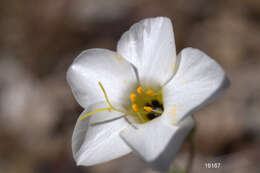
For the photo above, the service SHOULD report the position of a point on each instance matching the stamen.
(139, 90)
(150, 93)
(105, 94)
(148, 108)
(135, 107)
(132, 97)
(95, 111)
(157, 111)
(111, 107)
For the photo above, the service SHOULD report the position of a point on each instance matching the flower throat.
(146, 104)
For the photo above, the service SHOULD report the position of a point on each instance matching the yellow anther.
(135, 107)
(139, 90)
(150, 92)
(132, 97)
(148, 108)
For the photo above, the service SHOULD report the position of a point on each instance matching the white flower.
(141, 96)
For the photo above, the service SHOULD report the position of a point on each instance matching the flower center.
(146, 104)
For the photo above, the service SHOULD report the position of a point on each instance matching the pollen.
(139, 90)
(135, 107)
(119, 58)
(173, 122)
(123, 130)
(132, 97)
(150, 92)
(148, 108)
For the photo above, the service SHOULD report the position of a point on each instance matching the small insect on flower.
(130, 102)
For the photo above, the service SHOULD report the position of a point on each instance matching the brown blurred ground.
(39, 40)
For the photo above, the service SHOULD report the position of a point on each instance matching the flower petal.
(149, 45)
(198, 81)
(157, 141)
(94, 143)
(94, 65)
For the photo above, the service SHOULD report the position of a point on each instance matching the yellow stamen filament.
(111, 107)
(139, 90)
(148, 108)
(132, 97)
(95, 111)
(105, 94)
(150, 93)
(135, 107)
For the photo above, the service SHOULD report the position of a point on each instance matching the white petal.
(94, 65)
(157, 141)
(149, 45)
(98, 143)
(198, 81)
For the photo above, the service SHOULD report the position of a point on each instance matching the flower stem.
(191, 155)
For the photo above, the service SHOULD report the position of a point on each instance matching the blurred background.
(40, 39)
